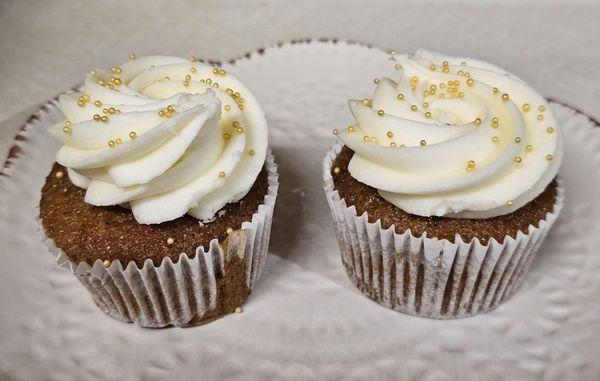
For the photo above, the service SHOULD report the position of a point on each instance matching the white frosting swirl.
(454, 137)
(165, 136)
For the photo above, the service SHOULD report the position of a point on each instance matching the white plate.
(305, 320)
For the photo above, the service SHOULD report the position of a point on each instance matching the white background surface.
(547, 332)
(305, 320)
(46, 46)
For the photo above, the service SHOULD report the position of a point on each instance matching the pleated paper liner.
(195, 290)
(425, 277)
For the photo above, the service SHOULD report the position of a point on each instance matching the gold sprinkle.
(549, 157)
(222, 174)
(229, 231)
(461, 94)
(104, 119)
(517, 140)
(423, 143)
(540, 117)
(170, 241)
(542, 108)
(238, 310)
(505, 97)
(132, 135)
(97, 103)
(445, 70)
(432, 67)
(215, 71)
(186, 83)
(251, 152)
(495, 90)
(336, 170)
(425, 104)
(495, 122)
(509, 203)
(239, 130)
(351, 129)
(335, 131)
(161, 112)
(105, 111)
(188, 77)
(112, 110)
(373, 139)
(59, 174)
(477, 121)
(398, 66)
(117, 81)
(445, 63)
(81, 103)
(390, 134)
(169, 113)
(549, 130)
(193, 59)
(413, 108)
(235, 124)
(111, 143)
(380, 113)
(393, 144)
(518, 159)
(463, 63)
(366, 102)
(526, 107)
(67, 129)
(470, 165)
(376, 81)
(106, 263)
(226, 136)
(119, 141)
(529, 148)
(227, 107)
(400, 97)
(427, 114)
(366, 138)
(222, 72)
(132, 56)
(495, 139)
(97, 117)
(67, 122)
(470, 82)
(93, 72)
(193, 70)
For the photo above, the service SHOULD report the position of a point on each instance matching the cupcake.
(444, 189)
(162, 194)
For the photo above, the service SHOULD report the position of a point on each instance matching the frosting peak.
(454, 137)
(164, 135)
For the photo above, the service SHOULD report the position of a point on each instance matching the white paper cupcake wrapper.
(177, 293)
(426, 277)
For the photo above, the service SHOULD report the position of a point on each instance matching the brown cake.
(87, 233)
(366, 199)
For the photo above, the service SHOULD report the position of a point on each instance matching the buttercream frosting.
(453, 137)
(164, 136)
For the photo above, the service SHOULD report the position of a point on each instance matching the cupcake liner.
(428, 277)
(185, 292)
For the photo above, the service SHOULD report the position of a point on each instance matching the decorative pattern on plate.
(304, 318)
